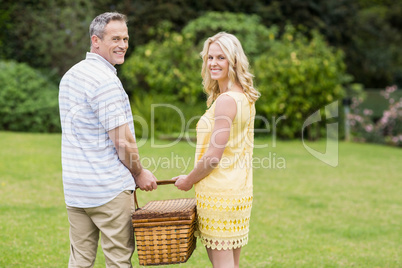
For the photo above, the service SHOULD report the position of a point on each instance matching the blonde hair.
(238, 67)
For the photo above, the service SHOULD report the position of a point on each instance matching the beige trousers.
(113, 222)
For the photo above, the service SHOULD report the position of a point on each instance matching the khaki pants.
(113, 221)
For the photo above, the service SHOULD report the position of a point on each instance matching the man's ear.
(95, 41)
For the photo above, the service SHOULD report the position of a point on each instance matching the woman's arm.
(225, 112)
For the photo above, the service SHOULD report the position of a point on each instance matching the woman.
(225, 136)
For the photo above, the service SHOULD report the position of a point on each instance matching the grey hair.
(98, 24)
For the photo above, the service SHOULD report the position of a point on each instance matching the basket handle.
(161, 182)
(165, 182)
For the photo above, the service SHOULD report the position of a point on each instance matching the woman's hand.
(182, 183)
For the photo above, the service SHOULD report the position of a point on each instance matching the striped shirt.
(92, 101)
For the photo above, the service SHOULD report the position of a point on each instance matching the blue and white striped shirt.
(92, 101)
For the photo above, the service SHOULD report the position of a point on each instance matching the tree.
(298, 75)
(374, 56)
(145, 15)
(46, 34)
(53, 34)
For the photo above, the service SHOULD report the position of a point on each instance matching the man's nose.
(123, 43)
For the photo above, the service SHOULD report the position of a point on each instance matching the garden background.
(306, 56)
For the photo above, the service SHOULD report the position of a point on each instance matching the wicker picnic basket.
(164, 230)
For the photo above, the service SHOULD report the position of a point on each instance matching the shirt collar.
(94, 56)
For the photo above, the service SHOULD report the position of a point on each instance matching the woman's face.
(218, 65)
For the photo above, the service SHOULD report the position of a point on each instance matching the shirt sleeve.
(107, 104)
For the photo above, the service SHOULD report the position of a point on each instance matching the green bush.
(171, 64)
(171, 67)
(28, 101)
(297, 73)
(253, 35)
(297, 76)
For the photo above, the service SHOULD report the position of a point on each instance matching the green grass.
(308, 214)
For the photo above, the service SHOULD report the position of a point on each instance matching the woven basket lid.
(157, 210)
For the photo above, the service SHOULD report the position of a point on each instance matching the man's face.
(114, 44)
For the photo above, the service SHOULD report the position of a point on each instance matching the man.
(100, 160)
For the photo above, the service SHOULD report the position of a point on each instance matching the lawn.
(305, 213)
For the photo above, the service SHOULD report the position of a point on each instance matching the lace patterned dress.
(224, 197)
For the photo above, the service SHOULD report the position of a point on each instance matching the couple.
(100, 157)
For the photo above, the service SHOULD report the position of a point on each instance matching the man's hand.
(146, 180)
(182, 183)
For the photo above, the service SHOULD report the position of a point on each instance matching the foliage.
(387, 129)
(54, 34)
(173, 66)
(168, 68)
(367, 31)
(46, 34)
(253, 35)
(297, 76)
(374, 56)
(144, 15)
(28, 100)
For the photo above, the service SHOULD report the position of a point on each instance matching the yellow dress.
(224, 197)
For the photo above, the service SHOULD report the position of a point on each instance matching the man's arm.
(127, 151)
